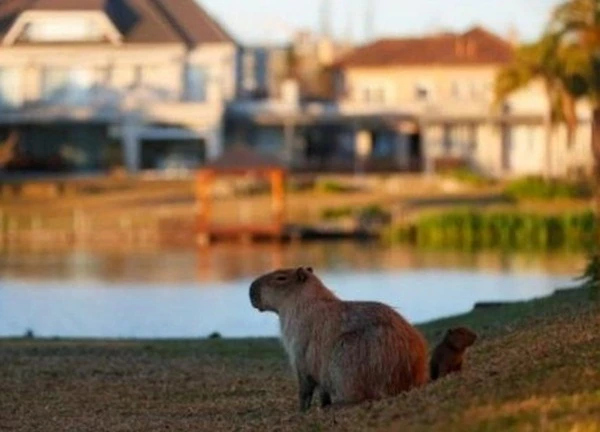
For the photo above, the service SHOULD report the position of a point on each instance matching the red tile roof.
(475, 47)
(67, 5)
(140, 21)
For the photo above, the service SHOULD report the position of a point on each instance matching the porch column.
(214, 144)
(431, 142)
(289, 136)
(131, 146)
(364, 147)
(402, 144)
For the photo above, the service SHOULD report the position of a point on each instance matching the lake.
(183, 294)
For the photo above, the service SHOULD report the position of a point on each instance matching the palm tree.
(7, 149)
(577, 22)
(548, 62)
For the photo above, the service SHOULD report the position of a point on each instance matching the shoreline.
(478, 307)
(533, 366)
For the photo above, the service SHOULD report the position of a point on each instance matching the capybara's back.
(376, 354)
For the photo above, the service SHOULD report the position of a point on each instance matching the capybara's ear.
(309, 269)
(302, 273)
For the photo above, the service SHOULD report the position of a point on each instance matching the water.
(192, 294)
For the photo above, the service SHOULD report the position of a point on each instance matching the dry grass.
(535, 368)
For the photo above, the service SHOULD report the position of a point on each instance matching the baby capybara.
(351, 351)
(448, 356)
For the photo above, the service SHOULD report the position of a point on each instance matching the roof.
(139, 21)
(66, 5)
(241, 158)
(474, 47)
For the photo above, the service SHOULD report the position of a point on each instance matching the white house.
(84, 83)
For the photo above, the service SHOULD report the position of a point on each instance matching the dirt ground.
(535, 368)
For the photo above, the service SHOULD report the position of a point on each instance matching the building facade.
(90, 84)
(445, 84)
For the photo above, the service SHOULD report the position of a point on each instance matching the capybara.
(449, 354)
(351, 351)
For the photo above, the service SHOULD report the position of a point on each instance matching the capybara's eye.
(281, 278)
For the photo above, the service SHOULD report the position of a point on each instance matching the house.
(444, 84)
(88, 84)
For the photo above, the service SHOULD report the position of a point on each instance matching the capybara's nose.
(254, 295)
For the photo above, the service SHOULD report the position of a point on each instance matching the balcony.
(104, 104)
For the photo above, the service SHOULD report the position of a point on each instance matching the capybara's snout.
(255, 299)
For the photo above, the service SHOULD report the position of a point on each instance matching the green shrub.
(468, 229)
(468, 176)
(590, 279)
(542, 189)
(332, 186)
(368, 213)
(336, 213)
(374, 211)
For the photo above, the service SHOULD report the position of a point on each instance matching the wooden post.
(204, 182)
(278, 199)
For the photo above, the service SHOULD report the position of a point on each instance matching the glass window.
(374, 93)
(62, 30)
(10, 87)
(423, 91)
(68, 85)
(196, 80)
(459, 89)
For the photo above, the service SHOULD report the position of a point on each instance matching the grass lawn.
(536, 367)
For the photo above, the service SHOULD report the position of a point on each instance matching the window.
(463, 138)
(249, 71)
(481, 89)
(423, 91)
(196, 80)
(67, 85)
(62, 30)
(374, 93)
(10, 87)
(460, 89)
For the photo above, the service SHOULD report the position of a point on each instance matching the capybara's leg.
(325, 399)
(434, 372)
(306, 388)
(456, 367)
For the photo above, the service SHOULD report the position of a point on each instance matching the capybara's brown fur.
(448, 355)
(351, 351)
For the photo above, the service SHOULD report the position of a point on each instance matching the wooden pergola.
(240, 160)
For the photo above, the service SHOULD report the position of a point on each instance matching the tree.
(8, 148)
(578, 24)
(548, 62)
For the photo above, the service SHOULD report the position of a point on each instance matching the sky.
(274, 21)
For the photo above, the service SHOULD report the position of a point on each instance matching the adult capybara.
(448, 355)
(351, 351)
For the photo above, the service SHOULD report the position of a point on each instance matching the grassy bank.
(535, 367)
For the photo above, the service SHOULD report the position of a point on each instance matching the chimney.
(459, 47)
(471, 48)
(513, 36)
(465, 47)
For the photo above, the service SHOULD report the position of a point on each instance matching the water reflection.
(232, 262)
(193, 293)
